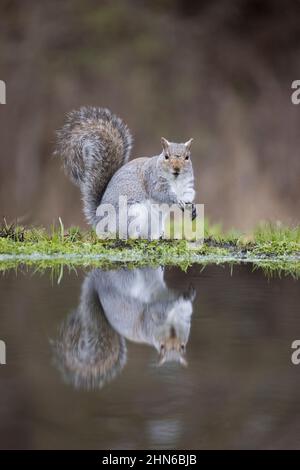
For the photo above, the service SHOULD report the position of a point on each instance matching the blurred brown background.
(220, 72)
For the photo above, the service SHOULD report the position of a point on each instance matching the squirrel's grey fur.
(95, 146)
(142, 308)
(116, 306)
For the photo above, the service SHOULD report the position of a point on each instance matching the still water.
(149, 358)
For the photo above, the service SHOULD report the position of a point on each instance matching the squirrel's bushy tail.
(88, 351)
(94, 144)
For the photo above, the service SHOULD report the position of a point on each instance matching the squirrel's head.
(176, 158)
(172, 336)
(172, 348)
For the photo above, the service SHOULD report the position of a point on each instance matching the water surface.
(83, 360)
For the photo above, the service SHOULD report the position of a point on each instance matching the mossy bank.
(274, 248)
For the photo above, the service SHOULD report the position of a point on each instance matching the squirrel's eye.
(167, 157)
(187, 157)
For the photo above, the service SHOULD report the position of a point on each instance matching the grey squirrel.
(95, 146)
(117, 306)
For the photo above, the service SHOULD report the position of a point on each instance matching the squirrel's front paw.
(190, 293)
(181, 204)
(190, 206)
(194, 211)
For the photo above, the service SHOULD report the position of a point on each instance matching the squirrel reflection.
(116, 305)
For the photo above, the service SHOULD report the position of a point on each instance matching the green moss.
(274, 248)
(276, 240)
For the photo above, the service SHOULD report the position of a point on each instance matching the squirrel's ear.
(165, 144)
(188, 144)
